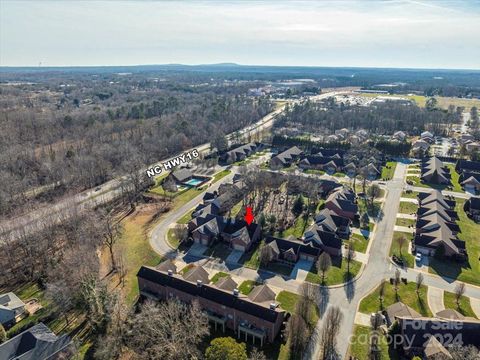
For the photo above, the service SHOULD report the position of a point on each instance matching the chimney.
(170, 272)
(273, 306)
(199, 283)
(235, 292)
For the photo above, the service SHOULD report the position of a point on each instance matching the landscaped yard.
(467, 272)
(406, 294)
(337, 274)
(464, 308)
(405, 222)
(288, 300)
(247, 286)
(394, 249)
(298, 228)
(410, 194)
(218, 276)
(186, 217)
(407, 207)
(172, 239)
(359, 347)
(388, 170)
(220, 175)
(359, 242)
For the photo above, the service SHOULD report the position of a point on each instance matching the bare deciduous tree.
(401, 242)
(170, 330)
(323, 264)
(297, 333)
(349, 255)
(419, 282)
(459, 291)
(329, 333)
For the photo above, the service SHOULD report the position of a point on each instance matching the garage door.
(239, 247)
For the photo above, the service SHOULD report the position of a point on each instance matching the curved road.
(348, 297)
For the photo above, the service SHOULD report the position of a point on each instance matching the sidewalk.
(406, 216)
(403, 229)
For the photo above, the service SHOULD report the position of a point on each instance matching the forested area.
(326, 117)
(73, 132)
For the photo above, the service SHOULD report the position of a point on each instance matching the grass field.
(406, 294)
(388, 170)
(443, 102)
(172, 239)
(247, 286)
(218, 276)
(186, 217)
(359, 347)
(337, 274)
(394, 249)
(407, 207)
(455, 177)
(359, 242)
(314, 171)
(467, 272)
(405, 222)
(410, 194)
(464, 307)
(288, 301)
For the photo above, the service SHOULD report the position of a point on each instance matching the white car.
(418, 256)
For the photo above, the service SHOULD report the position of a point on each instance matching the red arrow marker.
(249, 215)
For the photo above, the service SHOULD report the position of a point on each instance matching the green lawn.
(172, 239)
(251, 259)
(464, 308)
(220, 175)
(394, 249)
(186, 269)
(359, 348)
(406, 294)
(388, 170)
(247, 286)
(218, 276)
(236, 209)
(314, 171)
(288, 301)
(337, 274)
(455, 178)
(410, 194)
(405, 222)
(301, 224)
(186, 217)
(359, 242)
(339, 174)
(407, 207)
(467, 272)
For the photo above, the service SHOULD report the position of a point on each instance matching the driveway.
(301, 269)
(234, 256)
(435, 299)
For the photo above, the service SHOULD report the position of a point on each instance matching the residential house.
(257, 317)
(436, 227)
(37, 343)
(371, 171)
(289, 251)
(433, 349)
(285, 158)
(240, 153)
(472, 207)
(350, 169)
(226, 283)
(236, 233)
(196, 274)
(433, 171)
(327, 220)
(471, 183)
(399, 135)
(343, 202)
(428, 137)
(11, 309)
(328, 164)
(325, 240)
(420, 148)
(399, 309)
(469, 172)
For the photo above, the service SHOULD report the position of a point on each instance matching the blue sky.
(395, 33)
